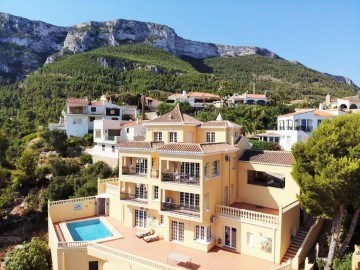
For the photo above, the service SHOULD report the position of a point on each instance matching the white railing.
(107, 180)
(243, 214)
(71, 201)
(130, 257)
(112, 189)
(73, 244)
(286, 266)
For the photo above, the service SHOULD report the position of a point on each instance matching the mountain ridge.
(34, 43)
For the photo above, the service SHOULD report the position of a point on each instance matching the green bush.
(86, 158)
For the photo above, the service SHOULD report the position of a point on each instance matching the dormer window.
(210, 137)
(157, 136)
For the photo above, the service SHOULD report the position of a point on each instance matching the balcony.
(133, 171)
(135, 198)
(180, 178)
(248, 215)
(108, 139)
(186, 210)
(304, 128)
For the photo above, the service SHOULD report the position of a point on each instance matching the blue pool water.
(88, 230)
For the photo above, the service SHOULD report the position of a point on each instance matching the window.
(141, 166)
(161, 220)
(93, 109)
(266, 179)
(92, 119)
(206, 170)
(319, 122)
(128, 130)
(114, 118)
(97, 133)
(156, 192)
(173, 136)
(113, 148)
(215, 167)
(207, 206)
(190, 168)
(140, 218)
(140, 192)
(189, 200)
(210, 137)
(250, 239)
(77, 121)
(103, 147)
(203, 233)
(157, 136)
(177, 231)
(93, 265)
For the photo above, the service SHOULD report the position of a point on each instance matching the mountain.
(25, 45)
(342, 79)
(132, 69)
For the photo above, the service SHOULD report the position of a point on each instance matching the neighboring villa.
(191, 194)
(344, 104)
(197, 100)
(80, 114)
(296, 127)
(250, 99)
(109, 133)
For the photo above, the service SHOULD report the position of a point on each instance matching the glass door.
(140, 218)
(230, 237)
(177, 231)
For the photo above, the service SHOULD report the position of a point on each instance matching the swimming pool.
(88, 230)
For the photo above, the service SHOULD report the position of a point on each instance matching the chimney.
(328, 99)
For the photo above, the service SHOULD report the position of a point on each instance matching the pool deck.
(216, 258)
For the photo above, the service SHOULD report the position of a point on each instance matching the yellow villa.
(191, 195)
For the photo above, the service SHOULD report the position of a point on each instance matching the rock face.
(25, 45)
(341, 79)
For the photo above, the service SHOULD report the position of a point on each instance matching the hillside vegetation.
(140, 68)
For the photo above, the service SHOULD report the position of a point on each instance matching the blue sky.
(321, 34)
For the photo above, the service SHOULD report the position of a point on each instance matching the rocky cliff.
(25, 45)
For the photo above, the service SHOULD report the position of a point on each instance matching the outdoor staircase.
(299, 238)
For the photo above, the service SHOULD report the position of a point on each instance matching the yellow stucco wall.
(68, 211)
(271, 197)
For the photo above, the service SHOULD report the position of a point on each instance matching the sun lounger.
(151, 238)
(143, 234)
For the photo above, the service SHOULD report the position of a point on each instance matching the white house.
(109, 133)
(295, 127)
(80, 114)
(251, 99)
(197, 100)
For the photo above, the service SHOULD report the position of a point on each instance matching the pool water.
(88, 230)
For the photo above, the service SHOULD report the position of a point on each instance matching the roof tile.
(268, 157)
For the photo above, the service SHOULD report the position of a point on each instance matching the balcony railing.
(304, 128)
(107, 139)
(130, 170)
(180, 178)
(139, 198)
(187, 210)
(248, 215)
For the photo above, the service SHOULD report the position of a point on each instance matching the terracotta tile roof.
(133, 123)
(77, 101)
(221, 123)
(323, 113)
(173, 117)
(298, 112)
(351, 98)
(255, 96)
(140, 145)
(268, 157)
(197, 148)
(97, 103)
(196, 95)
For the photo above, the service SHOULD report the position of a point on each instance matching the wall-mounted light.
(219, 241)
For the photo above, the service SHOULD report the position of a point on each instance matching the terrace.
(155, 254)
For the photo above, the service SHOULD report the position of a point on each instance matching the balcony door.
(177, 231)
(140, 218)
(141, 166)
(230, 237)
(140, 192)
